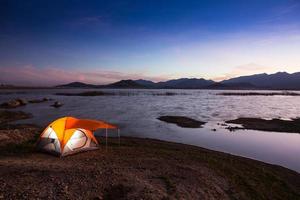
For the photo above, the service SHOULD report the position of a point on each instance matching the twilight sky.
(56, 41)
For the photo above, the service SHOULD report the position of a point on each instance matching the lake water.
(136, 115)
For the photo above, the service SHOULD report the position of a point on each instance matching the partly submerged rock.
(14, 103)
(22, 102)
(57, 104)
(182, 121)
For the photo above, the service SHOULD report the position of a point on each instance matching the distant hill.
(277, 81)
(185, 83)
(280, 80)
(125, 84)
(77, 85)
(145, 83)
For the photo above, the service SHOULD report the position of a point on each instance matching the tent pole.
(106, 138)
(119, 136)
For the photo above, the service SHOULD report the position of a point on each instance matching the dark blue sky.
(102, 41)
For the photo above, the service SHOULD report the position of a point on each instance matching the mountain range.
(277, 81)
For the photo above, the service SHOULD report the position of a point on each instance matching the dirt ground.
(142, 169)
(135, 169)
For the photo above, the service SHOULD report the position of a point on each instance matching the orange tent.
(70, 135)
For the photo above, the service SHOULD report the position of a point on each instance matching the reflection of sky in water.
(136, 116)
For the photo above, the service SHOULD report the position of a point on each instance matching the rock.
(40, 100)
(11, 104)
(57, 104)
(36, 101)
(234, 128)
(22, 102)
(47, 99)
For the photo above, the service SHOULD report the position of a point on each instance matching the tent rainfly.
(69, 135)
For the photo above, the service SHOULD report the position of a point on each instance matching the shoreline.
(138, 169)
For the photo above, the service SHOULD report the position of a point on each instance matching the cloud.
(30, 75)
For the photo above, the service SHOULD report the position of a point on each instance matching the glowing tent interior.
(69, 135)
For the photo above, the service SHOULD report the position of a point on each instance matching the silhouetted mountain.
(77, 85)
(125, 84)
(185, 83)
(280, 80)
(145, 82)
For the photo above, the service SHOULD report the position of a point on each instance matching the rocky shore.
(137, 169)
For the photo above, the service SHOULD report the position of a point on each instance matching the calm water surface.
(136, 114)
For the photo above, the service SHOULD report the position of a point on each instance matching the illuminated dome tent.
(69, 135)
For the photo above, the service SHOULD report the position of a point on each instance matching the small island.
(274, 125)
(182, 121)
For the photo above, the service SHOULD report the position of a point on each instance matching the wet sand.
(138, 169)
